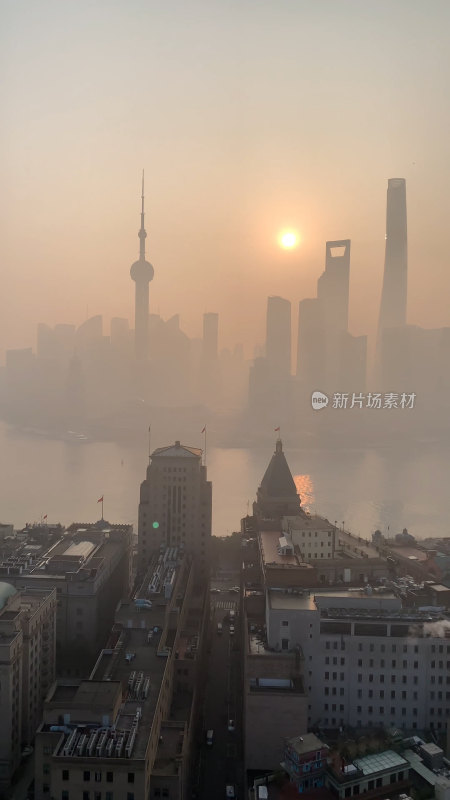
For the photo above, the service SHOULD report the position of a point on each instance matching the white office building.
(368, 662)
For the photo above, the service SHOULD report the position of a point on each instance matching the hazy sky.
(249, 116)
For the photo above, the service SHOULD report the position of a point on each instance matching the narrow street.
(221, 763)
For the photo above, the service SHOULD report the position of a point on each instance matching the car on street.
(231, 630)
(234, 590)
(214, 590)
(230, 791)
(231, 725)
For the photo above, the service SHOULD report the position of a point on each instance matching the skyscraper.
(332, 298)
(333, 286)
(278, 337)
(141, 273)
(393, 298)
(175, 505)
(210, 337)
(310, 344)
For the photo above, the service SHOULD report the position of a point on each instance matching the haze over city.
(224, 400)
(249, 119)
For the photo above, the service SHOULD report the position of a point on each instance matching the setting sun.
(288, 240)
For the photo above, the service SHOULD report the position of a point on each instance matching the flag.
(204, 429)
(277, 429)
(100, 499)
(45, 516)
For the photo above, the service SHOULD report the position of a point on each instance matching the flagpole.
(102, 509)
(204, 455)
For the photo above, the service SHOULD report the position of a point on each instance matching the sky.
(250, 117)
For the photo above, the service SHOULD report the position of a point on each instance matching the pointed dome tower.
(277, 495)
(141, 273)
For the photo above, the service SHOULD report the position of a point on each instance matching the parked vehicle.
(219, 627)
(231, 630)
(231, 725)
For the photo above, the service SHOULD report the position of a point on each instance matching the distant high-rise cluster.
(148, 373)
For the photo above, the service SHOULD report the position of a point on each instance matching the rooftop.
(177, 450)
(280, 600)
(278, 480)
(378, 762)
(307, 743)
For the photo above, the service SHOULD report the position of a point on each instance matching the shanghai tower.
(393, 298)
(141, 273)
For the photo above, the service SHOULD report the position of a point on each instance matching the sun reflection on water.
(305, 488)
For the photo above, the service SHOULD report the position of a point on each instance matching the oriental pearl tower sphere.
(141, 273)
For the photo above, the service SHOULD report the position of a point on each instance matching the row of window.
(91, 795)
(97, 775)
(382, 648)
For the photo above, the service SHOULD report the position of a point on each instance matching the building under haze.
(270, 383)
(278, 338)
(333, 298)
(176, 505)
(89, 565)
(127, 731)
(277, 494)
(27, 668)
(394, 293)
(141, 273)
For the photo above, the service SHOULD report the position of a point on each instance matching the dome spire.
(142, 233)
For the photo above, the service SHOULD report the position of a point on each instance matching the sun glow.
(288, 240)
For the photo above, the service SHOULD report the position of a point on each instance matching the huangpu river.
(384, 488)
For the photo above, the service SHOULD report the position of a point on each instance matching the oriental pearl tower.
(141, 273)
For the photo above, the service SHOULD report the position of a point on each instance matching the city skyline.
(78, 130)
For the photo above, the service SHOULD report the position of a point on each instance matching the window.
(130, 795)
(98, 777)
(86, 775)
(110, 777)
(64, 794)
(65, 774)
(131, 777)
(285, 622)
(109, 796)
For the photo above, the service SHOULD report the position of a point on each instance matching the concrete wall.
(269, 718)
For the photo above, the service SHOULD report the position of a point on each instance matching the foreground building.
(176, 505)
(27, 668)
(369, 663)
(127, 732)
(89, 565)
